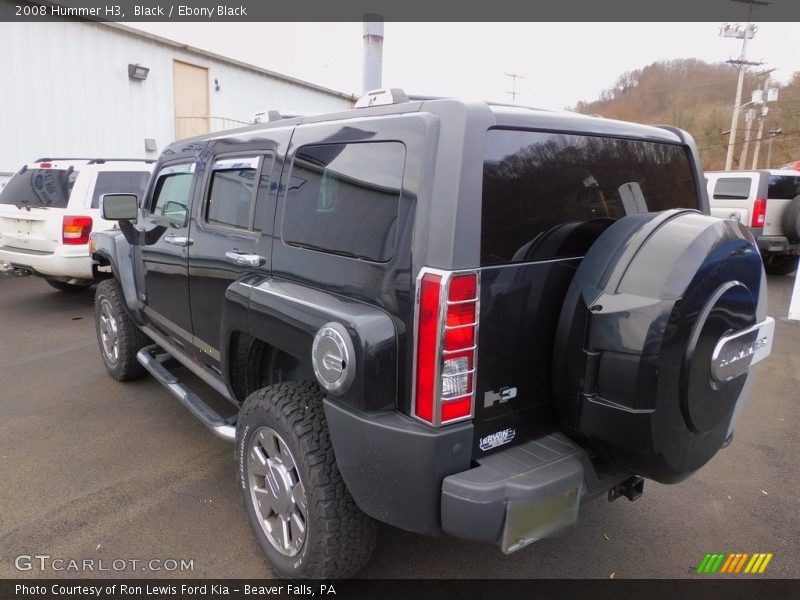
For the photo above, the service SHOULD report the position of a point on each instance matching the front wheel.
(780, 264)
(304, 518)
(117, 335)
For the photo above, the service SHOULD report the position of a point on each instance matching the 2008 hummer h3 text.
(446, 316)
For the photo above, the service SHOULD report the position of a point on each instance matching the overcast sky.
(561, 63)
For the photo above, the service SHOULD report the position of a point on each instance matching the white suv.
(49, 208)
(768, 201)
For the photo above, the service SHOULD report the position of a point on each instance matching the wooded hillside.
(698, 97)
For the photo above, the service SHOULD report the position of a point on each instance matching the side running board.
(152, 358)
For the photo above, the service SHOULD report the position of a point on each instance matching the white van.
(49, 208)
(767, 201)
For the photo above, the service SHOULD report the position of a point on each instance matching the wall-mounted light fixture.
(137, 71)
(216, 85)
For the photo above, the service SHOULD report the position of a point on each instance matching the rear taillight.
(447, 334)
(76, 230)
(759, 212)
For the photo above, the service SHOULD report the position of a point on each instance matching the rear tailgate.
(546, 199)
(30, 229)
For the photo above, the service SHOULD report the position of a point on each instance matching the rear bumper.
(68, 262)
(776, 244)
(517, 496)
(422, 479)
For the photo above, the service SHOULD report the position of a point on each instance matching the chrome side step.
(152, 358)
(179, 355)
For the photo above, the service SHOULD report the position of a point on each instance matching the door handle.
(248, 260)
(178, 240)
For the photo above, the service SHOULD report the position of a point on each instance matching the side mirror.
(119, 207)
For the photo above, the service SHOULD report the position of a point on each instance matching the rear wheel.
(780, 264)
(117, 335)
(63, 286)
(303, 517)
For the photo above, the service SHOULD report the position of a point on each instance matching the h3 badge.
(500, 396)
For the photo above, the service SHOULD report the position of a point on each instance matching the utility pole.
(513, 93)
(744, 34)
(748, 124)
(763, 117)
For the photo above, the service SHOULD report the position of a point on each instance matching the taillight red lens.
(75, 230)
(445, 381)
(427, 338)
(759, 212)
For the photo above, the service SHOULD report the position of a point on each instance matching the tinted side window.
(231, 195)
(732, 188)
(171, 196)
(783, 187)
(344, 199)
(119, 182)
(549, 195)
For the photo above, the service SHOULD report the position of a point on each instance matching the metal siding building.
(66, 91)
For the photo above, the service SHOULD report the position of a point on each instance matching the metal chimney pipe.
(372, 70)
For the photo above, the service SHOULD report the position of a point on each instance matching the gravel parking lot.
(94, 469)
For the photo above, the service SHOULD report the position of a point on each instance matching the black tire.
(791, 220)
(780, 264)
(109, 303)
(71, 288)
(338, 538)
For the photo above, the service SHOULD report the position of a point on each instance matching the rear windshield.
(546, 194)
(120, 182)
(40, 188)
(783, 187)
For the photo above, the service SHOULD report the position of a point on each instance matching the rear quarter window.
(783, 187)
(344, 199)
(549, 195)
(119, 182)
(732, 188)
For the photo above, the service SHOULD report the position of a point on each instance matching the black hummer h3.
(446, 316)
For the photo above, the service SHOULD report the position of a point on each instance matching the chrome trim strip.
(460, 373)
(165, 322)
(458, 302)
(451, 352)
(454, 398)
(452, 327)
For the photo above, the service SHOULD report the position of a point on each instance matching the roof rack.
(269, 116)
(96, 161)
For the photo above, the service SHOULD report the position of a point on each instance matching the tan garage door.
(191, 100)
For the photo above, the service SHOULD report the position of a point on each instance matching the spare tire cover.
(642, 317)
